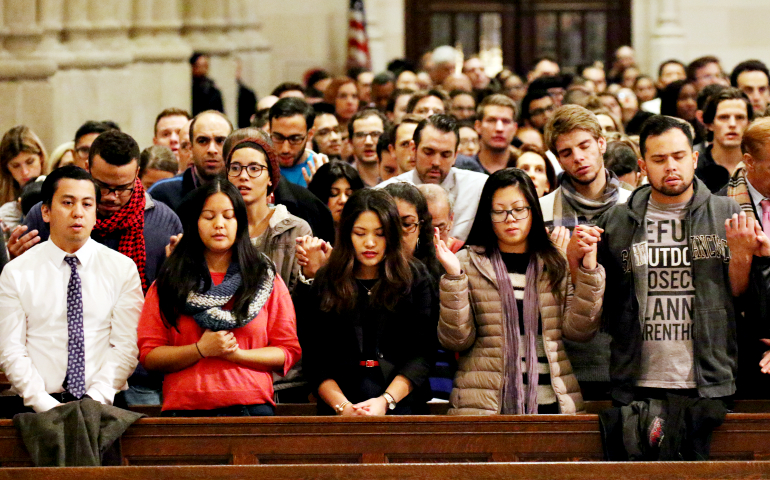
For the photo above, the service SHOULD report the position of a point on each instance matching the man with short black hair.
(427, 102)
(387, 167)
(436, 139)
(205, 94)
(705, 71)
(402, 143)
(168, 127)
(673, 264)
(208, 131)
(128, 219)
(462, 105)
(365, 129)
(753, 78)
(536, 109)
(289, 89)
(85, 136)
(668, 72)
(81, 341)
(291, 128)
(726, 115)
(327, 138)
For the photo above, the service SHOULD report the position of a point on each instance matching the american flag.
(358, 42)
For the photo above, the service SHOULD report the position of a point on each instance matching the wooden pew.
(461, 471)
(422, 439)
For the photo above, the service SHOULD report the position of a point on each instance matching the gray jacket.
(623, 252)
(278, 243)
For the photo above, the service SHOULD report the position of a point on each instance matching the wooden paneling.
(429, 439)
(518, 471)
(519, 24)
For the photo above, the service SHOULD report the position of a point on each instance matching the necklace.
(368, 290)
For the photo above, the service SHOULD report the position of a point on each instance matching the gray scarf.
(574, 205)
(513, 384)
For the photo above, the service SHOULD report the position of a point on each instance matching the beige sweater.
(472, 322)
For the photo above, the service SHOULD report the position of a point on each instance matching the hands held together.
(582, 246)
(312, 254)
(745, 237)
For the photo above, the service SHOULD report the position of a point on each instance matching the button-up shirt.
(33, 321)
(464, 189)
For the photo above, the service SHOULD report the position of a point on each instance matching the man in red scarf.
(128, 219)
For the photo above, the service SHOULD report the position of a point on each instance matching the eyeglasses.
(82, 152)
(518, 213)
(293, 140)
(442, 227)
(253, 170)
(120, 191)
(362, 135)
(327, 131)
(410, 227)
(540, 111)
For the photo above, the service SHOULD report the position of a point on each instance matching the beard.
(672, 191)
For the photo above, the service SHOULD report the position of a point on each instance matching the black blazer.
(405, 342)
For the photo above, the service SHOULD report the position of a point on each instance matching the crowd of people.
(373, 242)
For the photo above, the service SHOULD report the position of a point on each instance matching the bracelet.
(199, 350)
(301, 278)
(339, 408)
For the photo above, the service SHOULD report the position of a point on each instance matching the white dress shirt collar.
(56, 254)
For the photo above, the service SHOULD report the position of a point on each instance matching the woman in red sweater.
(218, 320)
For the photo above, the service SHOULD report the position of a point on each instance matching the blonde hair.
(567, 119)
(19, 139)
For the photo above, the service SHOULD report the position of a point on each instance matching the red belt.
(369, 363)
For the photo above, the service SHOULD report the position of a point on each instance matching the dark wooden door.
(573, 32)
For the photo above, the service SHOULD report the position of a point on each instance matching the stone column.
(160, 72)
(24, 77)
(206, 31)
(253, 49)
(668, 36)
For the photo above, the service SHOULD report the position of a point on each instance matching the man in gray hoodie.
(675, 255)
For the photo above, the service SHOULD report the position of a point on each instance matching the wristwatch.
(391, 401)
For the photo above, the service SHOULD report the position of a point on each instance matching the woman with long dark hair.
(333, 184)
(680, 99)
(365, 325)
(417, 225)
(507, 300)
(218, 320)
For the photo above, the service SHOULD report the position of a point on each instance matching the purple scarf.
(514, 401)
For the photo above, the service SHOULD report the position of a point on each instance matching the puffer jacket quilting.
(471, 322)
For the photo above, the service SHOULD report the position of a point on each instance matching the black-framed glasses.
(540, 111)
(362, 135)
(82, 152)
(253, 170)
(120, 191)
(517, 213)
(293, 140)
(410, 227)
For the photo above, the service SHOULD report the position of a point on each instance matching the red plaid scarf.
(130, 221)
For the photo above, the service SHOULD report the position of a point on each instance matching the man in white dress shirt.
(69, 307)
(435, 151)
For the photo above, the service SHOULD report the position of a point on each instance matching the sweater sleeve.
(282, 324)
(423, 337)
(582, 316)
(152, 332)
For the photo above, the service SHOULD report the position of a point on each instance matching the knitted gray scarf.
(514, 400)
(207, 307)
(574, 205)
